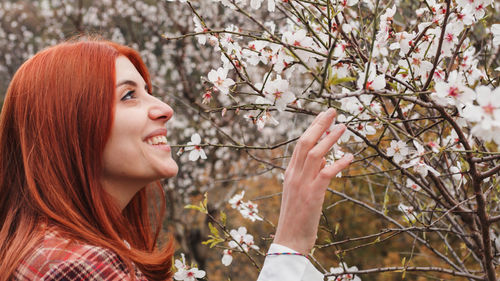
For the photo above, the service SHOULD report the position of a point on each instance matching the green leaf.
(194, 207)
(393, 85)
(213, 241)
(337, 81)
(205, 201)
(223, 218)
(202, 207)
(213, 230)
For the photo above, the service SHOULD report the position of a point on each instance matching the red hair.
(55, 122)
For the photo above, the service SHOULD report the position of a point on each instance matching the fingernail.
(330, 112)
(339, 127)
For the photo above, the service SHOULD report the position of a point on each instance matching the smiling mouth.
(157, 140)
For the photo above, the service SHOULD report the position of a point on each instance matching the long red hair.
(55, 121)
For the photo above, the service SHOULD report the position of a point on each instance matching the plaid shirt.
(58, 259)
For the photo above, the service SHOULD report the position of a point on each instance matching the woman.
(82, 144)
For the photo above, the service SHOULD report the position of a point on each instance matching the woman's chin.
(169, 169)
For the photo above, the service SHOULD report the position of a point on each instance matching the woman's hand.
(306, 180)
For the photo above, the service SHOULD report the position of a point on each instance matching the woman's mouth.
(157, 140)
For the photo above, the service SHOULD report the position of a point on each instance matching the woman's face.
(137, 152)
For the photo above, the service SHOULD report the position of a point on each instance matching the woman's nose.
(160, 111)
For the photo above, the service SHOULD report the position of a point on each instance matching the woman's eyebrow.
(131, 83)
(127, 82)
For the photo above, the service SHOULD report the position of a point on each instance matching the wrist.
(297, 246)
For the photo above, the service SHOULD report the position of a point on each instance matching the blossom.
(219, 79)
(247, 209)
(412, 185)
(343, 277)
(398, 150)
(486, 114)
(453, 92)
(384, 32)
(264, 118)
(198, 28)
(347, 3)
(335, 154)
(339, 50)
(185, 273)
(195, 148)
(374, 81)
(457, 174)
(227, 257)
(276, 92)
(421, 167)
(255, 52)
(271, 4)
(465, 18)
(408, 212)
(418, 162)
(365, 129)
(236, 200)
(298, 38)
(495, 29)
(207, 96)
(469, 65)
(281, 61)
(404, 41)
(477, 8)
(417, 65)
(451, 36)
(387, 16)
(241, 237)
(340, 70)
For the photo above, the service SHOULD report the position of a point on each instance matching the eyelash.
(130, 94)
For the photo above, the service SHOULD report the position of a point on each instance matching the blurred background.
(178, 69)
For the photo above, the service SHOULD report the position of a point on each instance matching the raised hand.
(306, 180)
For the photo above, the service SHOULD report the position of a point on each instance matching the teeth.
(157, 140)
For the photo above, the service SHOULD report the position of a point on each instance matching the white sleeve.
(288, 267)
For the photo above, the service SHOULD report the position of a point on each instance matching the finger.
(316, 129)
(312, 164)
(292, 163)
(323, 163)
(310, 137)
(327, 173)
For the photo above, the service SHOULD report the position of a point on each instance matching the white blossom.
(495, 29)
(412, 185)
(186, 273)
(276, 93)
(227, 257)
(247, 209)
(241, 237)
(195, 148)
(219, 79)
(343, 277)
(453, 92)
(409, 213)
(398, 150)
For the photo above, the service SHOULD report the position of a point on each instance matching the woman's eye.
(129, 95)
